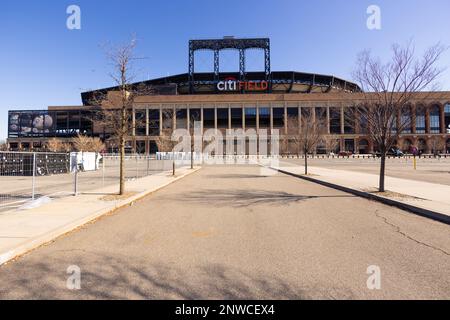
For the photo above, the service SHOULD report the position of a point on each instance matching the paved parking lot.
(227, 232)
(428, 170)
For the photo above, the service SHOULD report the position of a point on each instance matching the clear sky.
(43, 63)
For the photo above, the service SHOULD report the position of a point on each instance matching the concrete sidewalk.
(428, 196)
(22, 231)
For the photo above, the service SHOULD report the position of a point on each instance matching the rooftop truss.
(217, 45)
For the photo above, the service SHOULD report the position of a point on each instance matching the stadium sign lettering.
(231, 84)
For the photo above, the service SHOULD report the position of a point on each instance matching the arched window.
(420, 119)
(406, 147)
(405, 120)
(363, 146)
(447, 117)
(422, 145)
(435, 120)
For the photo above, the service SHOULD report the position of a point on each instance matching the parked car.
(393, 152)
(345, 153)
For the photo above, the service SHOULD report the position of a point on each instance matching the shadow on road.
(107, 277)
(244, 198)
(235, 176)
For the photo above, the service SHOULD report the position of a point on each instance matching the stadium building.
(232, 100)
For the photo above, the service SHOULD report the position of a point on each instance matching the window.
(264, 117)
(435, 120)
(140, 118)
(236, 118)
(86, 126)
(278, 118)
(447, 117)
(321, 113)
(222, 118)
(335, 120)
(167, 117)
(363, 122)
(61, 121)
(363, 146)
(153, 125)
(292, 112)
(74, 121)
(422, 145)
(140, 147)
(406, 147)
(250, 117)
(195, 115)
(208, 118)
(405, 120)
(349, 145)
(420, 120)
(182, 119)
(349, 121)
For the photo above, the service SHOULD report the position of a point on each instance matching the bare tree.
(283, 144)
(58, 145)
(82, 143)
(164, 140)
(88, 144)
(306, 133)
(388, 92)
(116, 105)
(331, 143)
(97, 145)
(166, 144)
(3, 145)
(436, 145)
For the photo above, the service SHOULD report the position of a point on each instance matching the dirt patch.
(115, 197)
(391, 194)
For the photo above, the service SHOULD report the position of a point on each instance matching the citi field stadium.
(232, 100)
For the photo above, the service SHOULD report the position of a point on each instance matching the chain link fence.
(26, 176)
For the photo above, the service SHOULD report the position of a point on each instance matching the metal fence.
(26, 176)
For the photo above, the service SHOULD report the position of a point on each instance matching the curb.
(52, 235)
(406, 207)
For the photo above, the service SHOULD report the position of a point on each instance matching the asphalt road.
(230, 233)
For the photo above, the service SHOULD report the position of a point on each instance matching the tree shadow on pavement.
(107, 277)
(244, 198)
(235, 176)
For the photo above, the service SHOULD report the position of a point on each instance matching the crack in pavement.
(398, 230)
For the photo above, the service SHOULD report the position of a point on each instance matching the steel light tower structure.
(216, 45)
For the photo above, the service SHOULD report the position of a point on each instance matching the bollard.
(75, 191)
(103, 171)
(33, 182)
(137, 167)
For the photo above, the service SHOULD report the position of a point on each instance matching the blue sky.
(43, 63)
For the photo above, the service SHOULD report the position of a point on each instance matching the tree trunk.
(192, 152)
(122, 153)
(382, 171)
(306, 163)
(122, 166)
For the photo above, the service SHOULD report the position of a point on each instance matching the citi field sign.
(231, 84)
